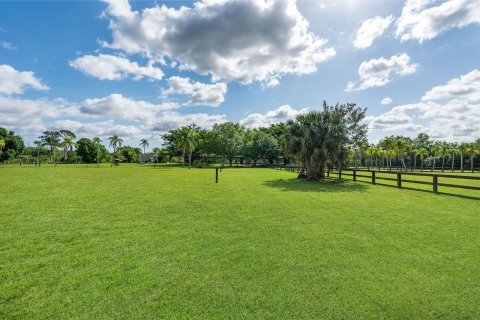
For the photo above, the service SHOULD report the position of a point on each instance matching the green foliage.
(320, 138)
(87, 151)
(11, 145)
(129, 154)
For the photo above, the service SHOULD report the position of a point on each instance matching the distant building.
(147, 157)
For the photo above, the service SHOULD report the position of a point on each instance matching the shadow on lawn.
(330, 185)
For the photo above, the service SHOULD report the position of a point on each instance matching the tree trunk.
(38, 157)
(190, 160)
(443, 163)
(472, 156)
(461, 161)
(421, 164)
(453, 160)
(183, 156)
(434, 160)
(415, 163)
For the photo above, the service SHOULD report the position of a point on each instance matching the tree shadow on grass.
(328, 185)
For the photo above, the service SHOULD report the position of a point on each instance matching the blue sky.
(140, 68)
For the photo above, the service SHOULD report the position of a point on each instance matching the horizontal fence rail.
(436, 182)
(404, 177)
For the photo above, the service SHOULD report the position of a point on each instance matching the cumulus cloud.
(15, 82)
(450, 111)
(370, 30)
(116, 106)
(171, 120)
(386, 100)
(377, 72)
(466, 88)
(108, 67)
(99, 128)
(421, 21)
(200, 93)
(281, 114)
(243, 41)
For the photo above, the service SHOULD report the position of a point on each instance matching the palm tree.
(144, 144)
(443, 151)
(115, 142)
(473, 150)
(39, 144)
(2, 145)
(436, 150)
(401, 147)
(462, 149)
(369, 153)
(452, 149)
(97, 141)
(423, 153)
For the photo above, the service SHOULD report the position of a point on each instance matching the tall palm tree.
(369, 154)
(2, 145)
(436, 151)
(473, 150)
(115, 142)
(97, 141)
(422, 153)
(452, 149)
(39, 144)
(462, 150)
(443, 151)
(144, 144)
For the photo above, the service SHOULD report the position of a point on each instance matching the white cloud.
(99, 128)
(281, 114)
(7, 45)
(108, 67)
(171, 120)
(116, 106)
(377, 72)
(243, 41)
(466, 88)
(200, 93)
(420, 21)
(450, 112)
(386, 100)
(15, 82)
(370, 30)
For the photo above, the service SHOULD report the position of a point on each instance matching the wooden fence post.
(354, 175)
(399, 180)
(216, 175)
(435, 183)
(373, 177)
(339, 173)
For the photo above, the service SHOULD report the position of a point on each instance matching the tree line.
(316, 141)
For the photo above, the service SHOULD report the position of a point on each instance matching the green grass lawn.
(141, 242)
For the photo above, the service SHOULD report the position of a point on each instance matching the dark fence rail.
(400, 178)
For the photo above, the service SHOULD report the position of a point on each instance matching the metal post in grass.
(216, 175)
(435, 183)
(373, 177)
(399, 180)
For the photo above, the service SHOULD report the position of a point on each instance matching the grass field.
(141, 242)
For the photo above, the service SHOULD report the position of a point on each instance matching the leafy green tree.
(319, 138)
(129, 154)
(68, 142)
(39, 144)
(51, 139)
(472, 149)
(262, 145)
(228, 140)
(2, 145)
(90, 151)
(13, 145)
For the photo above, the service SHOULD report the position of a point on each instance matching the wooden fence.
(434, 183)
